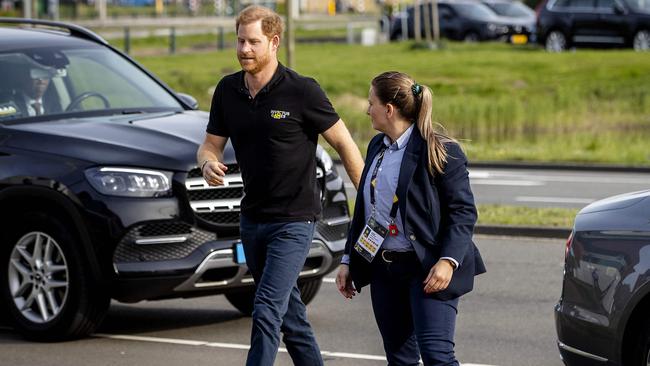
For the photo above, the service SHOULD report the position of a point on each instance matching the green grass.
(503, 102)
(526, 216)
(510, 215)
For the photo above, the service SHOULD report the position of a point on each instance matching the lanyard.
(373, 181)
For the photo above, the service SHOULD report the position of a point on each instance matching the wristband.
(203, 165)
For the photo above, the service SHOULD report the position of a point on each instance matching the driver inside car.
(35, 99)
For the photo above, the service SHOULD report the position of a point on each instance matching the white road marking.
(507, 182)
(185, 342)
(569, 178)
(554, 199)
(478, 175)
(329, 280)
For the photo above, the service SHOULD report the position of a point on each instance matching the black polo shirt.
(274, 136)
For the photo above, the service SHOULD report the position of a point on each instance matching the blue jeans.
(275, 254)
(411, 323)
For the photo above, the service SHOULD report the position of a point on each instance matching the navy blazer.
(438, 214)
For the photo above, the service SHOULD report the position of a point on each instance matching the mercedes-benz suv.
(100, 195)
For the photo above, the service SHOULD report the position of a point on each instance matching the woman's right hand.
(344, 282)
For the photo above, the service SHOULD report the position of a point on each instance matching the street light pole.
(290, 43)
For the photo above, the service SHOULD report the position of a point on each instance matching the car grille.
(334, 232)
(135, 245)
(222, 218)
(218, 206)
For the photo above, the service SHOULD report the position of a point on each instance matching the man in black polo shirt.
(273, 117)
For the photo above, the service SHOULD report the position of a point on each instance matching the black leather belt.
(390, 256)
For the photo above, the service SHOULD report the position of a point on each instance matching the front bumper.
(572, 334)
(196, 263)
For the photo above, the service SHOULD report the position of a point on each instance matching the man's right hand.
(213, 172)
(344, 282)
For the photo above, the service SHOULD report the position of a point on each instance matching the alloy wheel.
(642, 41)
(555, 42)
(38, 277)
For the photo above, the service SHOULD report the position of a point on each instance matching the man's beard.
(257, 65)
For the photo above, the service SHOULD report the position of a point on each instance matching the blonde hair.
(272, 24)
(414, 102)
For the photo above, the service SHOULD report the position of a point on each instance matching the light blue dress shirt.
(385, 188)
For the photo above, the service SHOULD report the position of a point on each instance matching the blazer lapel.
(407, 168)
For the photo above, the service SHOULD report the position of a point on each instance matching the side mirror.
(189, 100)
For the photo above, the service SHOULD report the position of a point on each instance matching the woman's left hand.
(439, 276)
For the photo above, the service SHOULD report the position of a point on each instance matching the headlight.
(497, 28)
(325, 158)
(127, 182)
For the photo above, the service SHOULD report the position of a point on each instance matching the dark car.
(522, 17)
(563, 24)
(100, 195)
(602, 317)
(459, 20)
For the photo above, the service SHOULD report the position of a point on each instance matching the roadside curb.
(529, 231)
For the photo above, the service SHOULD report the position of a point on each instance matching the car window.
(581, 4)
(52, 81)
(575, 4)
(605, 4)
(513, 9)
(475, 11)
(640, 6)
(444, 11)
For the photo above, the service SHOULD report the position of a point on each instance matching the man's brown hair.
(272, 24)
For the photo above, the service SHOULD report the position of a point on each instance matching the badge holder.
(371, 239)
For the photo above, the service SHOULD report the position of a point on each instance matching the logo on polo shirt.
(279, 114)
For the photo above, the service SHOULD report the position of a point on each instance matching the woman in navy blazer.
(427, 259)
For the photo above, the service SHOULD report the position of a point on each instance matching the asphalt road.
(545, 188)
(506, 321)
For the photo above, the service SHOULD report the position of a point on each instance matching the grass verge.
(510, 215)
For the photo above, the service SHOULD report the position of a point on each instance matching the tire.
(641, 41)
(471, 37)
(44, 282)
(309, 289)
(243, 301)
(642, 350)
(555, 42)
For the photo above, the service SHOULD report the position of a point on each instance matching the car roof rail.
(74, 30)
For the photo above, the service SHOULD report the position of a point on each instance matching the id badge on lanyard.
(371, 239)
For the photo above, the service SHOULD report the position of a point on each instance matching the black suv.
(100, 195)
(461, 20)
(562, 24)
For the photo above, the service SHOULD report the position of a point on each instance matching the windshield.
(53, 81)
(641, 6)
(513, 9)
(474, 11)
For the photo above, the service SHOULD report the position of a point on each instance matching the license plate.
(519, 39)
(238, 253)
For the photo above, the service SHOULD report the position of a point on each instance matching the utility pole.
(417, 27)
(101, 9)
(436, 23)
(291, 42)
(27, 8)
